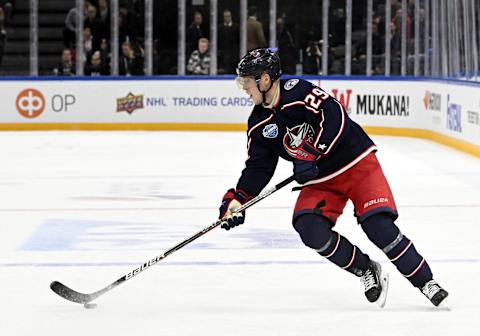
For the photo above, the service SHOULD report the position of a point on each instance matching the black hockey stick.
(74, 296)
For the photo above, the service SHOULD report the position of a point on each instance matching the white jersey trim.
(344, 168)
(300, 102)
(259, 124)
(340, 131)
(320, 131)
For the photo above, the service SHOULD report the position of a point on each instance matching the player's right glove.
(305, 163)
(232, 200)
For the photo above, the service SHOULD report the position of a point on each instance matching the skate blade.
(382, 299)
(444, 306)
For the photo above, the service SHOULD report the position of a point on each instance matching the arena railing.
(444, 43)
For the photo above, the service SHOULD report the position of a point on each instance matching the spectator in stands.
(336, 25)
(93, 22)
(104, 18)
(313, 59)
(125, 34)
(103, 11)
(3, 34)
(395, 5)
(286, 47)
(255, 35)
(138, 18)
(398, 22)
(378, 41)
(396, 41)
(396, 48)
(199, 61)
(66, 66)
(89, 43)
(105, 54)
(95, 66)
(131, 60)
(7, 6)
(69, 31)
(359, 53)
(228, 42)
(194, 32)
(378, 49)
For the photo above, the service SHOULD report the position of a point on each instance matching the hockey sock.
(316, 232)
(383, 232)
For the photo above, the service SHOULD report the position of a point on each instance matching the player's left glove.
(305, 163)
(232, 200)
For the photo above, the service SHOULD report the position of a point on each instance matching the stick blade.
(70, 294)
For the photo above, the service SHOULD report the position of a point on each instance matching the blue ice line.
(209, 263)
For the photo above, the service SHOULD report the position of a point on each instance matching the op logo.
(296, 135)
(30, 103)
(270, 131)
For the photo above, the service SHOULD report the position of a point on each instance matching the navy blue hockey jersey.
(302, 111)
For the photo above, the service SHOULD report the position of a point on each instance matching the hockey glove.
(305, 163)
(232, 200)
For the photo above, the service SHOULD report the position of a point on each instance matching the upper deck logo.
(30, 103)
(130, 103)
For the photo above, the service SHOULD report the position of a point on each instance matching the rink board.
(443, 111)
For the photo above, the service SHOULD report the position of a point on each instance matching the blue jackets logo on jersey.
(296, 135)
(290, 84)
(270, 131)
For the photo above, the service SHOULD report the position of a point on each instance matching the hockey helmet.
(259, 61)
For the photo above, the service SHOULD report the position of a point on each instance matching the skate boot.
(375, 281)
(434, 292)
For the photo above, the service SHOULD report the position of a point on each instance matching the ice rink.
(86, 208)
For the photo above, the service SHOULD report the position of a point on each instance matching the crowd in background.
(6, 11)
(96, 43)
(303, 54)
(300, 49)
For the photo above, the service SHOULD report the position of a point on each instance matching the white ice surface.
(87, 207)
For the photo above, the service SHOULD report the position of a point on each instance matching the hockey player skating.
(334, 160)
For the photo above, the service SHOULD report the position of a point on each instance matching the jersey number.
(315, 98)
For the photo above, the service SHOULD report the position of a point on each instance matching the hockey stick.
(74, 296)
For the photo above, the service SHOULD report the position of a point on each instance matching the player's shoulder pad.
(294, 89)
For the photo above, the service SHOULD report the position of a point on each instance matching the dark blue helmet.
(259, 61)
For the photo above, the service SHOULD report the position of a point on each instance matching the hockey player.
(334, 160)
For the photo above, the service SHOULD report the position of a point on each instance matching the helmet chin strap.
(264, 93)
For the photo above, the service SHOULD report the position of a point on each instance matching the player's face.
(249, 85)
(245, 83)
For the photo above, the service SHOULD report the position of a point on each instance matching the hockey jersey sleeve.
(328, 117)
(259, 167)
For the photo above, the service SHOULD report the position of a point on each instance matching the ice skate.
(436, 294)
(375, 280)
